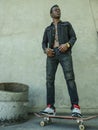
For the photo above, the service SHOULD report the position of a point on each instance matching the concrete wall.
(94, 9)
(22, 24)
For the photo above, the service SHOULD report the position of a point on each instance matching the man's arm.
(47, 50)
(72, 39)
(72, 35)
(45, 41)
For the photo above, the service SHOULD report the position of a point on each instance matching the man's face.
(56, 13)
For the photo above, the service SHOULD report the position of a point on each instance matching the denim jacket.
(65, 34)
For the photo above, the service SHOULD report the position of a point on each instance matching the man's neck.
(55, 21)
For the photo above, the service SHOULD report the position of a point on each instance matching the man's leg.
(72, 89)
(51, 67)
(66, 63)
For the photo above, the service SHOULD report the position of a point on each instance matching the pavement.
(33, 123)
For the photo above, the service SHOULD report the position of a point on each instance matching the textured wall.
(94, 9)
(22, 23)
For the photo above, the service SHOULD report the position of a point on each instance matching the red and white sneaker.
(50, 110)
(76, 112)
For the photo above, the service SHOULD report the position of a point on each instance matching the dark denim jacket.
(65, 34)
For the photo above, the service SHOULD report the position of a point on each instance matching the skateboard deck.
(47, 119)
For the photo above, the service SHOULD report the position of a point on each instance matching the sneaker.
(76, 112)
(50, 110)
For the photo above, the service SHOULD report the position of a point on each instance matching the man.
(57, 44)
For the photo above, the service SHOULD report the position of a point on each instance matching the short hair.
(53, 7)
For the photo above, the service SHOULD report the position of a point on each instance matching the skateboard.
(47, 119)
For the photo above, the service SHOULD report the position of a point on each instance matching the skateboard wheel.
(81, 127)
(42, 123)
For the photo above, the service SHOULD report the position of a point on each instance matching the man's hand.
(49, 52)
(64, 47)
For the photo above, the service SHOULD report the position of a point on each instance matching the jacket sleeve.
(72, 35)
(45, 41)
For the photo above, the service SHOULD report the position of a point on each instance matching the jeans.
(65, 60)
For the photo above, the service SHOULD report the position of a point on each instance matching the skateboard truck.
(46, 121)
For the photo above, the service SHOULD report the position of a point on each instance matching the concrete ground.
(58, 124)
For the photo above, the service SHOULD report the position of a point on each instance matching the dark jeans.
(65, 59)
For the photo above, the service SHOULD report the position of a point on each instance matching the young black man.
(57, 44)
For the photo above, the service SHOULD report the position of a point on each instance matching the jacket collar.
(53, 24)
